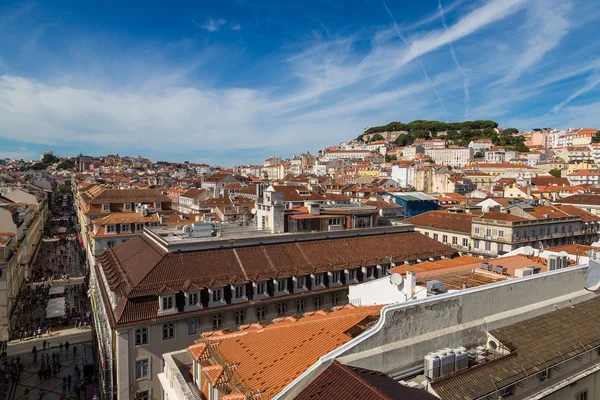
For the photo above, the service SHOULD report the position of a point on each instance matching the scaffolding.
(103, 342)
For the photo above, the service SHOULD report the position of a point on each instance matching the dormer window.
(216, 295)
(350, 275)
(369, 272)
(281, 285)
(167, 304)
(238, 293)
(335, 278)
(260, 289)
(317, 280)
(193, 300)
(111, 229)
(157, 205)
(125, 228)
(127, 207)
(300, 282)
(384, 269)
(106, 207)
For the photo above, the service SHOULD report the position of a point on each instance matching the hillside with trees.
(456, 133)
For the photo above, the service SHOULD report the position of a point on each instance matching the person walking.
(74, 351)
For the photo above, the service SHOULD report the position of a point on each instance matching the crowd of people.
(58, 259)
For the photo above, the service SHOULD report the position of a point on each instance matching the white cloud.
(590, 83)
(493, 11)
(547, 24)
(211, 24)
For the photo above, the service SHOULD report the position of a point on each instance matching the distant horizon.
(283, 156)
(234, 82)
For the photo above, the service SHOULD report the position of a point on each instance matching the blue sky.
(236, 81)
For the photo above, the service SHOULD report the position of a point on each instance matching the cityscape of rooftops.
(319, 199)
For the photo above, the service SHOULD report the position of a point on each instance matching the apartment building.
(21, 230)
(496, 233)
(154, 293)
(346, 154)
(190, 202)
(585, 177)
(454, 157)
(452, 229)
(108, 217)
(480, 145)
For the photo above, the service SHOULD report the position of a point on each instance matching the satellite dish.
(396, 279)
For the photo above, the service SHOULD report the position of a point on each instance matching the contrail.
(460, 68)
(403, 38)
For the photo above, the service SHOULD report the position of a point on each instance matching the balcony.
(176, 379)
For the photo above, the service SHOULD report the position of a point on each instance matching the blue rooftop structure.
(415, 203)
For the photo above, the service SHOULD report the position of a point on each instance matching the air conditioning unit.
(432, 366)
(552, 262)
(461, 358)
(499, 269)
(521, 272)
(446, 361)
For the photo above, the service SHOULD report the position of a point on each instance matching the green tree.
(376, 137)
(67, 164)
(596, 137)
(49, 159)
(555, 173)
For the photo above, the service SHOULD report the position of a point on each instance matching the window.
(488, 246)
(335, 299)
(500, 233)
(370, 272)
(240, 317)
(445, 238)
(157, 204)
(105, 207)
(111, 229)
(139, 227)
(477, 230)
(261, 289)
(318, 302)
(335, 277)
(570, 228)
(384, 269)
(352, 275)
(300, 282)
(143, 395)
(167, 303)
(142, 369)
(127, 206)
(281, 309)
(240, 291)
(110, 244)
(125, 228)
(500, 247)
(193, 299)
(476, 244)
(299, 305)
(454, 240)
(260, 313)
(488, 232)
(168, 331)
(217, 295)
(465, 242)
(217, 321)
(435, 236)
(335, 221)
(319, 280)
(141, 336)
(193, 326)
(281, 285)
(582, 395)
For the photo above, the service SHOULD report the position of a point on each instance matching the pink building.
(539, 139)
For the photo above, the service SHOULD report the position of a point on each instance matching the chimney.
(410, 284)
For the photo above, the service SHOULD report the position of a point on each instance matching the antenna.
(397, 280)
